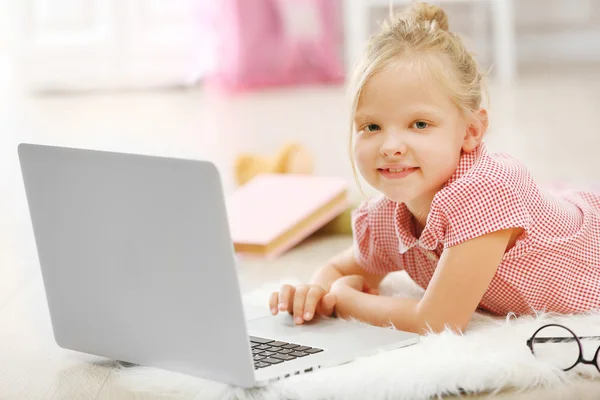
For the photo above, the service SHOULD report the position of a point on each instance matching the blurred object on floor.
(342, 224)
(274, 212)
(292, 158)
(266, 43)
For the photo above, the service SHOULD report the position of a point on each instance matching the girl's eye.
(372, 128)
(420, 124)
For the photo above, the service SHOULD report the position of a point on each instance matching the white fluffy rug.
(491, 356)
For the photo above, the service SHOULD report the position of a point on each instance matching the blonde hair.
(420, 34)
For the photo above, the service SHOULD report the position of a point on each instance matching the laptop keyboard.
(267, 352)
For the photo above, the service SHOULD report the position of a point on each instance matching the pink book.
(273, 212)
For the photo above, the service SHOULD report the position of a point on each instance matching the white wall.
(548, 31)
(558, 30)
(4, 30)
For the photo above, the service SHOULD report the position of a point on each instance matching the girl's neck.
(419, 208)
(419, 219)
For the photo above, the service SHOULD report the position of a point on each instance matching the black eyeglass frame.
(594, 361)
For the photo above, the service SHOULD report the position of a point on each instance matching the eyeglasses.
(561, 347)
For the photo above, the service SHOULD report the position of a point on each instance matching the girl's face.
(409, 135)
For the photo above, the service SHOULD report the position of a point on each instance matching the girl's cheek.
(359, 149)
(361, 155)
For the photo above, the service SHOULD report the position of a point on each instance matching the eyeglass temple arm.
(562, 339)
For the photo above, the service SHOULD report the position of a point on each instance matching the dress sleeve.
(474, 207)
(375, 244)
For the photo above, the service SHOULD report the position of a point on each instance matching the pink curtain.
(263, 43)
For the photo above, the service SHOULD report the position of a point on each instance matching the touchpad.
(282, 325)
(254, 312)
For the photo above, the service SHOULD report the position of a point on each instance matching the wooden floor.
(551, 122)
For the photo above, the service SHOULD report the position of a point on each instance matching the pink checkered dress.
(554, 265)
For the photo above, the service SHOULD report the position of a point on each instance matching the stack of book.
(273, 212)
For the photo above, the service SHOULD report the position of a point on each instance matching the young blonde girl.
(470, 227)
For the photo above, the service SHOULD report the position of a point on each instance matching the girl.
(470, 227)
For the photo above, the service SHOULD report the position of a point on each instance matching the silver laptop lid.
(137, 259)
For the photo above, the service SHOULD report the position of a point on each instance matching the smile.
(396, 173)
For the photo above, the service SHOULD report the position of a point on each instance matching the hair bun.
(423, 12)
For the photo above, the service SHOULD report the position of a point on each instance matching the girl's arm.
(341, 265)
(304, 301)
(461, 278)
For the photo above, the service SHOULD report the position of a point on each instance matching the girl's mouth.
(396, 173)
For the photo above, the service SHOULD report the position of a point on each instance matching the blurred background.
(217, 79)
(214, 79)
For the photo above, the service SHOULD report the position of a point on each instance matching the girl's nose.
(393, 145)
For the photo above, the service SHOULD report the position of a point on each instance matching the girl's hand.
(356, 282)
(303, 301)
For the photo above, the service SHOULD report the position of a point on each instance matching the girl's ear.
(475, 130)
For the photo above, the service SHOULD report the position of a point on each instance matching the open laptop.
(138, 266)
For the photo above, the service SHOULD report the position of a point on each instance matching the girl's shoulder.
(482, 173)
(489, 192)
(375, 204)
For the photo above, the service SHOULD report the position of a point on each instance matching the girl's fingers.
(273, 301)
(327, 305)
(286, 298)
(299, 300)
(314, 295)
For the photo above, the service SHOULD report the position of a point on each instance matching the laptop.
(138, 266)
